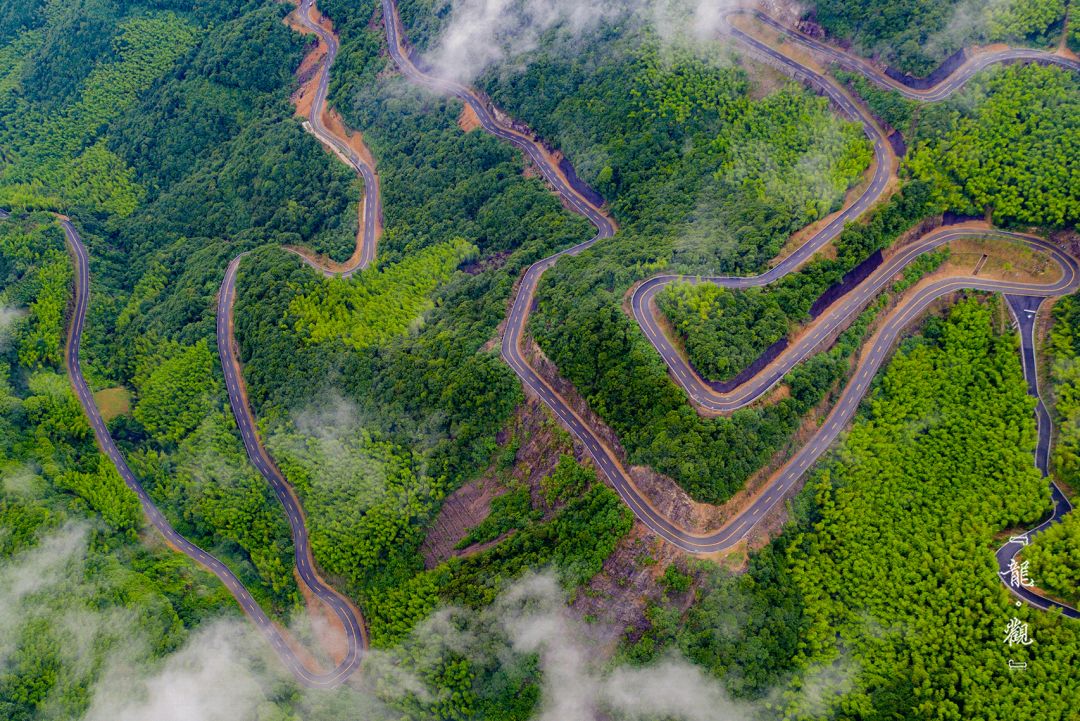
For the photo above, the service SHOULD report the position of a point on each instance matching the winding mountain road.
(1025, 309)
(349, 617)
(972, 65)
(702, 393)
(492, 121)
(372, 201)
(278, 639)
(873, 355)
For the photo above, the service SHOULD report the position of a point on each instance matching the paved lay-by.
(785, 479)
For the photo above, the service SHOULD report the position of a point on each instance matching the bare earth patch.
(540, 443)
(613, 602)
(462, 510)
(307, 76)
(327, 627)
(468, 121)
(113, 402)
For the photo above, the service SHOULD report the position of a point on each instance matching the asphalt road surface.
(372, 199)
(273, 634)
(833, 320)
(1024, 310)
(956, 80)
(783, 482)
(492, 121)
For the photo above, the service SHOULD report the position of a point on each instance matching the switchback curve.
(372, 200)
(731, 533)
(349, 616)
(948, 85)
(873, 355)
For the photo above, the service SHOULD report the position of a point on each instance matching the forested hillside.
(916, 36)
(687, 157)
(216, 165)
(80, 583)
(1003, 147)
(1055, 554)
(678, 160)
(709, 328)
(164, 129)
(886, 590)
(1010, 149)
(1064, 349)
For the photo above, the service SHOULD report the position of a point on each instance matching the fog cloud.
(224, 671)
(577, 684)
(8, 317)
(481, 34)
(204, 681)
(43, 568)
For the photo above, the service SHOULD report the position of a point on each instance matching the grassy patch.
(113, 402)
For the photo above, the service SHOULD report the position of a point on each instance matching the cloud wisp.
(482, 34)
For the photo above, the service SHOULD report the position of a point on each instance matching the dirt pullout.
(353, 138)
(468, 121)
(307, 74)
(539, 442)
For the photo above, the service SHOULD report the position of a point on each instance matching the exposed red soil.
(613, 603)
(462, 510)
(468, 121)
(307, 76)
(540, 443)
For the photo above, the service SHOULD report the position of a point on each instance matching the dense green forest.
(596, 346)
(151, 106)
(1064, 349)
(81, 586)
(885, 594)
(1003, 146)
(723, 331)
(687, 156)
(915, 36)
(1055, 554)
(217, 165)
(1010, 149)
(163, 127)
(678, 158)
(1055, 559)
